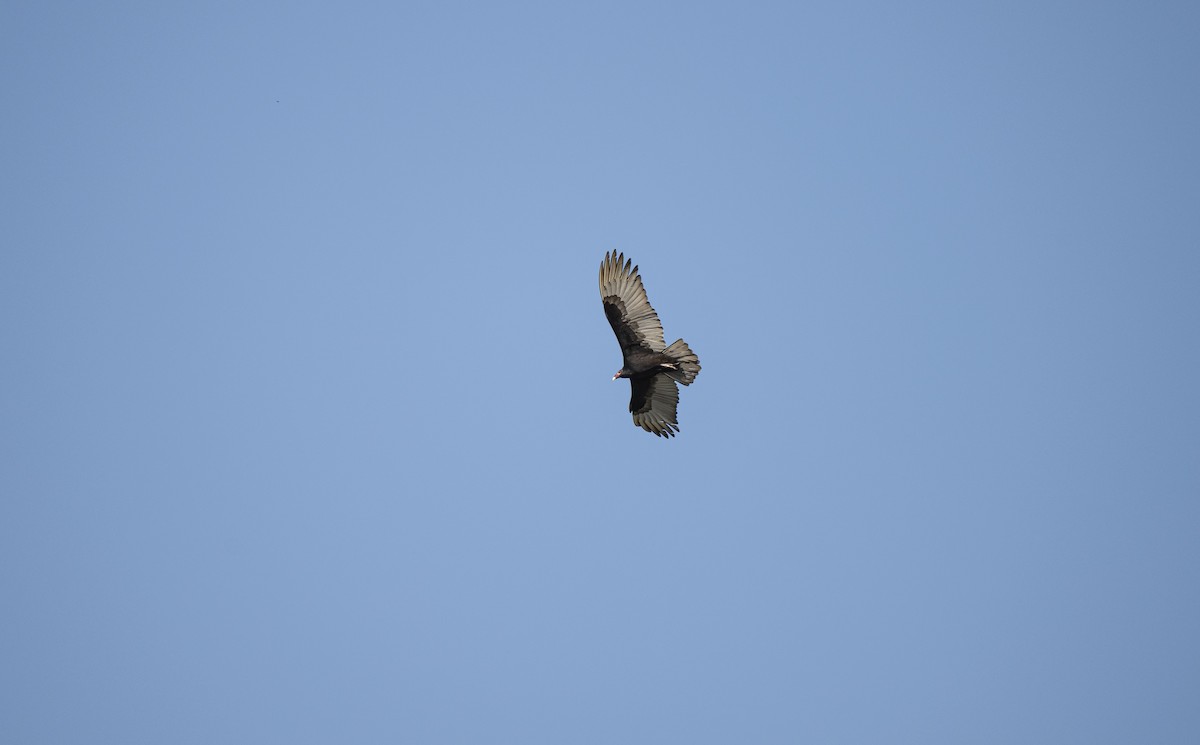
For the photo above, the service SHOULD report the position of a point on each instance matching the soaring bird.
(652, 367)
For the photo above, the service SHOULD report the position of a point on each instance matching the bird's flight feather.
(626, 305)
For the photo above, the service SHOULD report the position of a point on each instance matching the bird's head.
(622, 373)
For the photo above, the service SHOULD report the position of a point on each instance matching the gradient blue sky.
(307, 428)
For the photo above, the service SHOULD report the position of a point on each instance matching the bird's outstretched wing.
(625, 304)
(654, 403)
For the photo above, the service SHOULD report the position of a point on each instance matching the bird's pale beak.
(616, 376)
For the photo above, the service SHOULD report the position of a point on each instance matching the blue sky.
(305, 406)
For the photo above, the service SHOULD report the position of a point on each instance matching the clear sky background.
(307, 428)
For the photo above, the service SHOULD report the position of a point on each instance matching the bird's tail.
(686, 363)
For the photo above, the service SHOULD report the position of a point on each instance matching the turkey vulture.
(652, 367)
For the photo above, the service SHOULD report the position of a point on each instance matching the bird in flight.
(653, 368)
